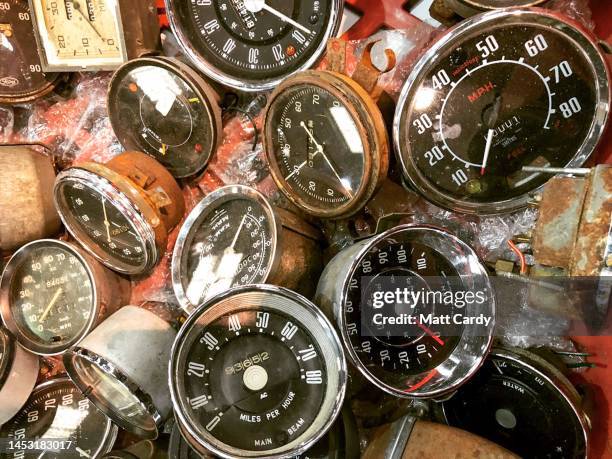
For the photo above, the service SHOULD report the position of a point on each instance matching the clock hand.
(285, 18)
(106, 223)
(50, 305)
(487, 151)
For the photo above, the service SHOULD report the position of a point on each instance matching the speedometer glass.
(253, 44)
(502, 91)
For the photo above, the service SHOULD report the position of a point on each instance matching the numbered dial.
(317, 147)
(163, 108)
(79, 34)
(505, 90)
(21, 75)
(228, 240)
(253, 44)
(515, 397)
(253, 380)
(58, 422)
(50, 301)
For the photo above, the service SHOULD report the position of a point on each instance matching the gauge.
(401, 302)
(122, 211)
(89, 35)
(18, 374)
(53, 294)
(162, 107)
(22, 78)
(523, 403)
(501, 91)
(326, 143)
(467, 8)
(235, 237)
(58, 422)
(252, 45)
(256, 371)
(27, 176)
(122, 367)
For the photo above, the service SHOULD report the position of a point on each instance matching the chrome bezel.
(537, 17)
(6, 311)
(106, 406)
(471, 350)
(119, 200)
(235, 81)
(286, 302)
(199, 213)
(110, 430)
(467, 8)
(39, 24)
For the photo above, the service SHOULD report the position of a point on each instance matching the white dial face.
(80, 34)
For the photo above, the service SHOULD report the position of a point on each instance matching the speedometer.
(501, 91)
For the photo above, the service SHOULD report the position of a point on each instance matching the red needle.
(430, 333)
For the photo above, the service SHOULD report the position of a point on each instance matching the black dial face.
(317, 146)
(156, 110)
(51, 296)
(99, 222)
(390, 354)
(255, 39)
(230, 244)
(20, 70)
(61, 420)
(253, 379)
(519, 409)
(493, 101)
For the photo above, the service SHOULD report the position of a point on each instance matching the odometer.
(501, 91)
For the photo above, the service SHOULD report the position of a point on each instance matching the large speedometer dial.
(253, 44)
(502, 91)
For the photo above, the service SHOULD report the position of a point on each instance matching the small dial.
(50, 296)
(254, 43)
(317, 146)
(227, 241)
(97, 216)
(258, 374)
(161, 107)
(21, 75)
(519, 403)
(79, 33)
(504, 91)
(60, 422)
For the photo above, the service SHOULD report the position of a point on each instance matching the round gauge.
(257, 371)
(501, 91)
(228, 239)
(252, 45)
(79, 34)
(326, 143)
(523, 403)
(162, 107)
(58, 422)
(52, 295)
(121, 211)
(21, 75)
(415, 308)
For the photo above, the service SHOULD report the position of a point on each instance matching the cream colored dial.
(79, 33)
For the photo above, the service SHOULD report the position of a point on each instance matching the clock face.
(252, 44)
(316, 147)
(79, 34)
(102, 224)
(51, 296)
(500, 93)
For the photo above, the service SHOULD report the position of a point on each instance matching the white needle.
(284, 18)
(50, 305)
(106, 223)
(238, 233)
(81, 452)
(487, 150)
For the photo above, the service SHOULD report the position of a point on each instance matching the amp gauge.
(523, 403)
(257, 371)
(400, 300)
(164, 108)
(501, 91)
